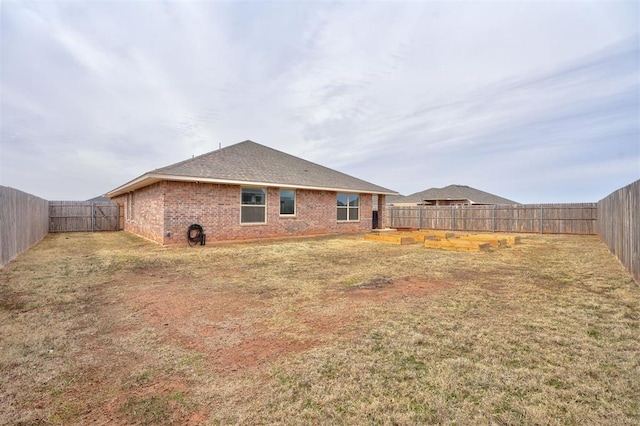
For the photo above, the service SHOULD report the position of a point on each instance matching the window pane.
(255, 196)
(287, 201)
(342, 199)
(342, 213)
(252, 214)
(353, 213)
(353, 200)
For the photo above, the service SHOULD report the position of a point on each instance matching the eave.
(151, 178)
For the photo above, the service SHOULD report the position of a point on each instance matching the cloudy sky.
(533, 101)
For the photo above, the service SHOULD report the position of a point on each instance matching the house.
(449, 195)
(100, 199)
(247, 191)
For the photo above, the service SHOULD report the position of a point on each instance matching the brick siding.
(381, 210)
(145, 216)
(162, 212)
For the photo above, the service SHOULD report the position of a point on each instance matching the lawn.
(107, 328)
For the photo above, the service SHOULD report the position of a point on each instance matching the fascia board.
(150, 178)
(139, 182)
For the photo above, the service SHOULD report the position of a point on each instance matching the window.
(287, 202)
(130, 206)
(348, 207)
(254, 205)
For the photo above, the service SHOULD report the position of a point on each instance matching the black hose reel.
(195, 235)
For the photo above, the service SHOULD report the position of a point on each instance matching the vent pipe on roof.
(219, 145)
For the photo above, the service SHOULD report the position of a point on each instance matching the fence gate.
(83, 216)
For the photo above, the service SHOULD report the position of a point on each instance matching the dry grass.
(110, 329)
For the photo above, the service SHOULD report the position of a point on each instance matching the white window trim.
(347, 207)
(266, 194)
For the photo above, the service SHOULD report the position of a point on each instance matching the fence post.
(493, 218)
(453, 218)
(565, 218)
(464, 215)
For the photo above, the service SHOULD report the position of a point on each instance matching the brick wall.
(144, 211)
(187, 203)
(381, 211)
(162, 212)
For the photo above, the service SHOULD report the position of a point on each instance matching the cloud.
(510, 135)
(408, 95)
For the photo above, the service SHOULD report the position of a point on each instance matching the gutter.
(151, 178)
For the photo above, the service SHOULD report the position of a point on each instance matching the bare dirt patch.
(218, 324)
(110, 329)
(386, 288)
(221, 324)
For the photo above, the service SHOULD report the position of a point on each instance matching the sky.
(534, 101)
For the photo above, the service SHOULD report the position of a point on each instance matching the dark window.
(287, 202)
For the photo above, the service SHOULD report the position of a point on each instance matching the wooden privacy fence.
(24, 220)
(575, 218)
(619, 226)
(83, 216)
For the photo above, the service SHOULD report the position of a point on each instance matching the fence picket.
(576, 218)
(619, 226)
(24, 221)
(83, 216)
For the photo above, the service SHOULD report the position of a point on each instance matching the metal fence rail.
(575, 218)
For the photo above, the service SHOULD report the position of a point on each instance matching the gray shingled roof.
(452, 192)
(100, 199)
(252, 163)
(392, 199)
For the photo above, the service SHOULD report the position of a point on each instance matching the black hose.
(195, 235)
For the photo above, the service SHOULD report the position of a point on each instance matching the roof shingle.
(252, 163)
(453, 192)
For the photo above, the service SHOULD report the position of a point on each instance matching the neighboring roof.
(100, 199)
(391, 199)
(453, 192)
(249, 163)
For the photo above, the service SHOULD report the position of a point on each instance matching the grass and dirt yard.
(107, 328)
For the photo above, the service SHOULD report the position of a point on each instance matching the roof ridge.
(460, 191)
(255, 164)
(203, 155)
(291, 156)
